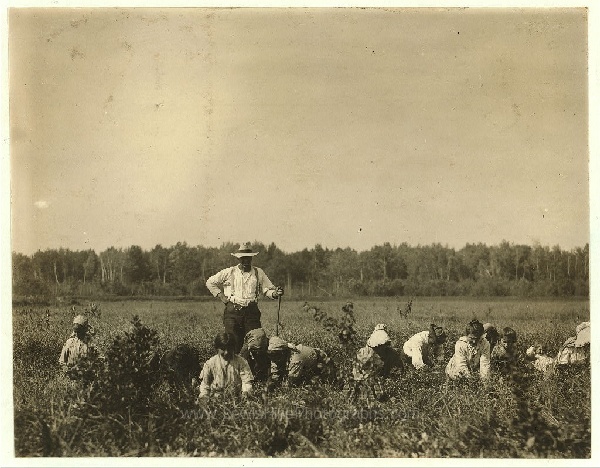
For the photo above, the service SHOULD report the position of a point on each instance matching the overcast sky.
(344, 127)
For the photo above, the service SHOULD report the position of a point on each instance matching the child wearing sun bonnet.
(373, 362)
(377, 358)
(576, 349)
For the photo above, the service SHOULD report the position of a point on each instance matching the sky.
(345, 127)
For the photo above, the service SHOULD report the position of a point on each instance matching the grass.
(523, 416)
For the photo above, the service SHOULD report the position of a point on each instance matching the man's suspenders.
(256, 292)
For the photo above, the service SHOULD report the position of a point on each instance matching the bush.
(130, 372)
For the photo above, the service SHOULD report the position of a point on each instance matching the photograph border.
(7, 457)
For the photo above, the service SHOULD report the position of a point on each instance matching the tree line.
(506, 269)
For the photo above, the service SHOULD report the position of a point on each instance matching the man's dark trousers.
(240, 320)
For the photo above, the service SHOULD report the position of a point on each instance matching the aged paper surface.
(123, 101)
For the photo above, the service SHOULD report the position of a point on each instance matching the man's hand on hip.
(223, 298)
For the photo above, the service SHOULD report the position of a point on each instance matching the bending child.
(426, 347)
(298, 364)
(374, 362)
(254, 351)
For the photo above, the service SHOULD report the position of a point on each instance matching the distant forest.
(385, 270)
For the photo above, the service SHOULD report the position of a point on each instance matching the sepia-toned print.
(306, 232)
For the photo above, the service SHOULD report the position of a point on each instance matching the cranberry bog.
(122, 406)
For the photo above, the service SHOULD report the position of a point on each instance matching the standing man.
(239, 287)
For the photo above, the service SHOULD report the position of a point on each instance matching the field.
(522, 416)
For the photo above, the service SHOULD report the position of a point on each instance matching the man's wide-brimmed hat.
(245, 250)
